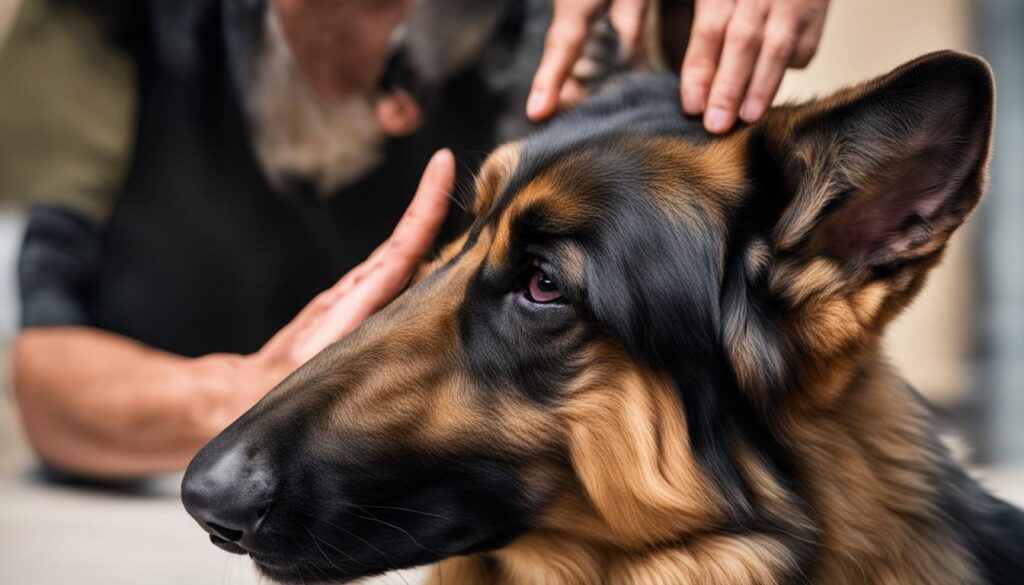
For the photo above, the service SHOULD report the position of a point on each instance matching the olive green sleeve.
(67, 110)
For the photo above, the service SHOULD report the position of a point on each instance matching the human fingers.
(776, 53)
(627, 18)
(704, 48)
(812, 15)
(386, 273)
(343, 307)
(565, 38)
(739, 54)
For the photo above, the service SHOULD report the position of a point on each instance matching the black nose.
(228, 492)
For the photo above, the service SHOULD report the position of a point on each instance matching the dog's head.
(600, 359)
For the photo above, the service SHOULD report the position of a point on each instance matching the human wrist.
(225, 390)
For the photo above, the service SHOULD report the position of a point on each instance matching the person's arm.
(101, 405)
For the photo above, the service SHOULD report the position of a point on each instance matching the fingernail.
(442, 156)
(535, 105)
(752, 109)
(717, 119)
(440, 159)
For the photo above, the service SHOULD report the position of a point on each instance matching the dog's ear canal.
(885, 172)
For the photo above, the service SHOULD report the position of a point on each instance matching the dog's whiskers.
(360, 539)
(326, 578)
(400, 509)
(398, 528)
(463, 195)
(383, 507)
(317, 539)
(458, 203)
(323, 553)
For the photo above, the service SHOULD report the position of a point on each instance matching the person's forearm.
(100, 404)
(103, 405)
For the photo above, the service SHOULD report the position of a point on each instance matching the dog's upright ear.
(885, 172)
(871, 183)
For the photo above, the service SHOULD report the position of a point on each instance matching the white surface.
(12, 224)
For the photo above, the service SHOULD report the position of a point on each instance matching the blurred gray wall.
(11, 225)
(1000, 329)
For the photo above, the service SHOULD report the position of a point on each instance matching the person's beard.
(331, 142)
(297, 136)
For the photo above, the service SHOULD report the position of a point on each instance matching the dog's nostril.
(231, 547)
(223, 532)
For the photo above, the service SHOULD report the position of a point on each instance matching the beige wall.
(864, 38)
(7, 8)
(6, 17)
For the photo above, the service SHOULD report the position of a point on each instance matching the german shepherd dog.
(654, 357)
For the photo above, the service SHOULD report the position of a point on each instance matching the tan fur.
(636, 490)
(494, 175)
(871, 477)
(629, 444)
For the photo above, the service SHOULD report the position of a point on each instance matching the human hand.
(370, 286)
(564, 46)
(737, 53)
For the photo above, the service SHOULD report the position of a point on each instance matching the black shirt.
(200, 253)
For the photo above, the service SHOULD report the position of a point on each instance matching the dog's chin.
(280, 573)
(281, 570)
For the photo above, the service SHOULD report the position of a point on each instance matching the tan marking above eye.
(696, 182)
(544, 193)
(494, 175)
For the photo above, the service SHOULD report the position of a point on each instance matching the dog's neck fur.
(873, 470)
(873, 475)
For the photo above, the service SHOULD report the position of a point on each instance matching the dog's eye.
(542, 289)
